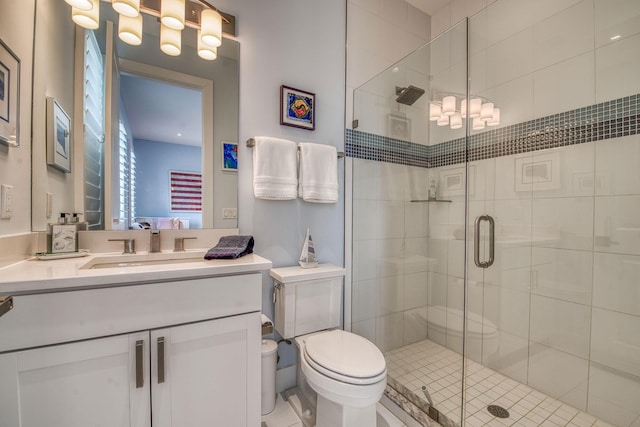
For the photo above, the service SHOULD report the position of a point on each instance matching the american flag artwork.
(186, 191)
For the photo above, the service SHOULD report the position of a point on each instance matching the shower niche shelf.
(430, 201)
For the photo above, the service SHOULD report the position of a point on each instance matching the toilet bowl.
(347, 372)
(344, 373)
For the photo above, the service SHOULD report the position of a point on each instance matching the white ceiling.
(158, 111)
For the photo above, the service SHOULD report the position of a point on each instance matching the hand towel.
(274, 169)
(318, 175)
(231, 247)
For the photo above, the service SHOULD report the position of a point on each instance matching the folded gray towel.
(231, 247)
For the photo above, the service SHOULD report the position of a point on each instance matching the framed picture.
(58, 136)
(399, 127)
(297, 108)
(229, 156)
(185, 191)
(9, 96)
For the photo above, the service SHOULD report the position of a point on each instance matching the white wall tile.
(506, 18)
(618, 68)
(571, 168)
(564, 86)
(455, 325)
(617, 224)
(507, 309)
(415, 325)
(390, 295)
(440, 22)
(365, 257)
(508, 355)
(615, 282)
(418, 23)
(366, 179)
(613, 395)
(390, 331)
(438, 255)
(514, 98)
(415, 290)
(510, 58)
(616, 168)
(455, 255)
(416, 255)
(563, 35)
(366, 219)
(390, 257)
(391, 215)
(364, 300)
(508, 183)
(616, 17)
(615, 340)
(563, 223)
(436, 325)
(562, 274)
(416, 219)
(561, 325)
(558, 374)
(366, 329)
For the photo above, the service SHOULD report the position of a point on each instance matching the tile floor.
(440, 370)
(282, 416)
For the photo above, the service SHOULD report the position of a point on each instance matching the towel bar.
(252, 142)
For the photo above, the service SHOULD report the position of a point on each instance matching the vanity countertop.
(36, 276)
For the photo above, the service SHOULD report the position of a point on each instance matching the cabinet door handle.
(139, 364)
(160, 360)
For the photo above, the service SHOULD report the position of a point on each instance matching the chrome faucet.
(155, 241)
(129, 245)
(178, 245)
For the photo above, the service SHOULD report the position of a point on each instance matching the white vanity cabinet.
(181, 353)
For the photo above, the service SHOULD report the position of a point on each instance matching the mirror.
(56, 75)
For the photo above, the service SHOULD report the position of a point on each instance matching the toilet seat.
(345, 357)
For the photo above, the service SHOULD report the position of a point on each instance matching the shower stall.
(495, 227)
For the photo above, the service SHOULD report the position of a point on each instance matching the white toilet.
(347, 371)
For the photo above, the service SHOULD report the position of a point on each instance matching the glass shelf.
(431, 201)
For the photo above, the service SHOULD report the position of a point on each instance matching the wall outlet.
(6, 201)
(229, 213)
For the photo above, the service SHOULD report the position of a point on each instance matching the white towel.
(274, 169)
(318, 176)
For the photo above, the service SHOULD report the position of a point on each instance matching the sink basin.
(139, 260)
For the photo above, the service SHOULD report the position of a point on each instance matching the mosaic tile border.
(611, 119)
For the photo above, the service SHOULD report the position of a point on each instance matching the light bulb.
(495, 120)
(449, 105)
(475, 105)
(434, 112)
(128, 8)
(455, 121)
(206, 52)
(211, 28)
(80, 4)
(89, 19)
(170, 40)
(486, 111)
(130, 29)
(478, 123)
(172, 14)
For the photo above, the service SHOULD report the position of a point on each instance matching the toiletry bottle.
(433, 190)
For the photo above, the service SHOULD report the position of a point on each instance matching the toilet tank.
(307, 299)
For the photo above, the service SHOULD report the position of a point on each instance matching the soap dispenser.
(433, 190)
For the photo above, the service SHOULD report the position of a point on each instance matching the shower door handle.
(476, 241)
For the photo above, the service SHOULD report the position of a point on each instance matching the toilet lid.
(346, 354)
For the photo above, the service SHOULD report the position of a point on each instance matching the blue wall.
(154, 160)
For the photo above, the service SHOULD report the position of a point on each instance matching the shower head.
(408, 95)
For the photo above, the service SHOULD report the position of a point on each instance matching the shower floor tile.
(426, 363)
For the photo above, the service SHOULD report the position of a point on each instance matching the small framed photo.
(9, 96)
(58, 136)
(297, 108)
(229, 156)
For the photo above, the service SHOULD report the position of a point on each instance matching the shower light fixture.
(174, 15)
(451, 108)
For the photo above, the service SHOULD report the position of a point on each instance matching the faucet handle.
(129, 245)
(178, 245)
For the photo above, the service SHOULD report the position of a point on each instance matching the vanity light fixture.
(174, 16)
(443, 109)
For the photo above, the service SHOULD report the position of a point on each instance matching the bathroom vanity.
(162, 343)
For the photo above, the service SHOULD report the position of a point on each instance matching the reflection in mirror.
(122, 197)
